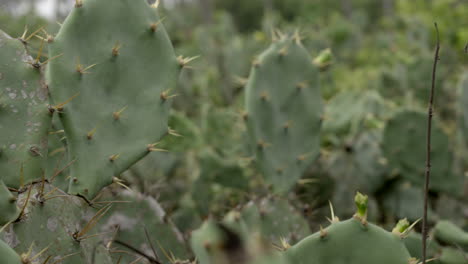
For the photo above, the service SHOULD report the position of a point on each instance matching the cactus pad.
(284, 110)
(24, 115)
(111, 87)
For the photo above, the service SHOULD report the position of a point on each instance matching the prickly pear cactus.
(411, 164)
(283, 112)
(403, 200)
(351, 241)
(139, 221)
(24, 115)
(216, 243)
(448, 233)
(52, 225)
(413, 243)
(110, 80)
(350, 111)
(357, 165)
(275, 219)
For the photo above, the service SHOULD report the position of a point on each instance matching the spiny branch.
(428, 146)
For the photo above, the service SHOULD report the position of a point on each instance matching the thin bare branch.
(428, 146)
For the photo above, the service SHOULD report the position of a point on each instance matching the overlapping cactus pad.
(411, 164)
(284, 112)
(24, 115)
(111, 82)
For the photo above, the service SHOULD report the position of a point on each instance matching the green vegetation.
(219, 132)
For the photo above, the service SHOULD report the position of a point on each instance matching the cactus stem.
(117, 114)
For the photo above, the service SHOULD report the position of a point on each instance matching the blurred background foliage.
(382, 61)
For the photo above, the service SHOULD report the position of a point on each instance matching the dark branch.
(139, 252)
(428, 147)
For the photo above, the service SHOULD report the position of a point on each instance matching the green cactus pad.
(453, 256)
(348, 111)
(24, 115)
(8, 255)
(275, 219)
(358, 165)
(413, 243)
(449, 233)
(350, 242)
(404, 200)
(284, 110)
(132, 214)
(8, 209)
(111, 86)
(215, 243)
(58, 164)
(212, 244)
(411, 164)
(51, 220)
